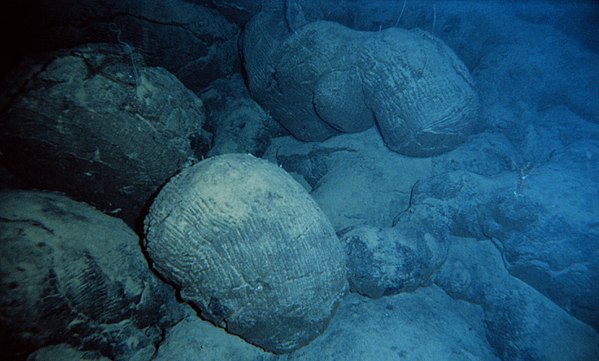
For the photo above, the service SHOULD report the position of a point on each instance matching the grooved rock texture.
(70, 274)
(421, 94)
(324, 79)
(248, 246)
(92, 124)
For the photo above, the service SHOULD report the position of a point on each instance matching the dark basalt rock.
(94, 124)
(70, 274)
(388, 261)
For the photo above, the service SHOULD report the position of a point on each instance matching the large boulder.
(323, 78)
(421, 94)
(103, 129)
(250, 249)
(70, 274)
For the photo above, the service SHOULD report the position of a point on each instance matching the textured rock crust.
(248, 246)
(240, 124)
(99, 127)
(194, 339)
(325, 78)
(520, 323)
(487, 208)
(70, 274)
(387, 261)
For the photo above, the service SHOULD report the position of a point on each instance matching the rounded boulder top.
(249, 247)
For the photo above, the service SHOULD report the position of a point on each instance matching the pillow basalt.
(326, 79)
(247, 245)
(70, 274)
(101, 129)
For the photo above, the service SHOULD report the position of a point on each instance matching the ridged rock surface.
(103, 129)
(421, 94)
(323, 78)
(70, 274)
(248, 246)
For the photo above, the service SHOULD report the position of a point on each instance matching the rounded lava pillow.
(392, 260)
(89, 123)
(249, 247)
(71, 274)
(325, 78)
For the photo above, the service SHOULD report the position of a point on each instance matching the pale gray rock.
(247, 246)
(323, 78)
(424, 101)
